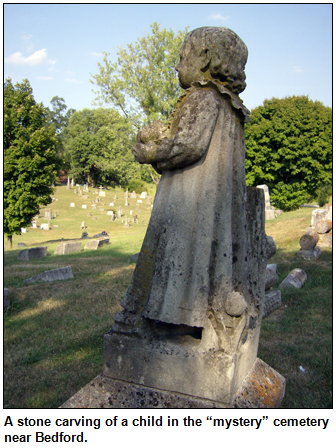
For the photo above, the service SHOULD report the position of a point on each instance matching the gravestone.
(34, 252)
(68, 248)
(126, 223)
(34, 225)
(94, 244)
(101, 192)
(269, 213)
(144, 195)
(44, 226)
(82, 226)
(119, 212)
(55, 214)
(47, 213)
(191, 318)
(68, 184)
(23, 230)
(84, 206)
(295, 279)
(133, 195)
(52, 275)
(72, 204)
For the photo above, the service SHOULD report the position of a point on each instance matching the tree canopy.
(289, 148)
(30, 163)
(142, 83)
(98, 142)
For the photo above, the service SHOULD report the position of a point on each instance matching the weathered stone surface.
(269, 214)
(264, 387)
(318, 215)
(272, 302)
(325, 240)
(271, 278)
(295, 279)
(273, 267)
(270, 247)
(309, 254)
(6, 298)
(44, 226)
(52, 275)
(323, 226)
(309, 240)
(94, 244)
(68, 248)
(33, 252)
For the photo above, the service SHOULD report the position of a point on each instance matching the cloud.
(75, 81)
(44, 78)
(297, 69)
(97, 55)
(39, 57)
(218, 17)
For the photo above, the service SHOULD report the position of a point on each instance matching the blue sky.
(56, 46)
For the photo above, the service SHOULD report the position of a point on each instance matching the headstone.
(318, 215)
(133, 195)
(47, 213)
(115, 197)
(119, 212)
(139, 201)
(192, 313)
(94, 244)
(272, 302)
(6, 298)
(325, 240)
(72, 183)
(269, 213)
(323, 226)
(126, 223)
(94, 217)
(131, 212)
(44, 226)
(295, 279)
(109, 212)
(23, 230)
(84, 206)
(101, 192)
(111, 204)
(34, 225)
(270, 278)
(33, 252)
(312, 254)
(102, 209)
(55, 214)
(52, 275)
(94, 207)
(68, 248)
(144, 195)
(72, 204)
(82, 226)
(309, 240)
(85, 196)
(68, 184)
(134, 258)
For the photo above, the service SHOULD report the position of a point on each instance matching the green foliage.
(137, 185)
(98, 143)
(30, 162)
(289, 148)
(58, 117)
(324, 193)
(143, 84)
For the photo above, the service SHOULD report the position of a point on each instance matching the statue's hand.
(155, 133)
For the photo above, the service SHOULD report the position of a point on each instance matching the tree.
(289, 148)
(30, 163)
(58, 117)
(99, 143)
(142, 84)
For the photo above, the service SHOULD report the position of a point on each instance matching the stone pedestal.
(263, 387)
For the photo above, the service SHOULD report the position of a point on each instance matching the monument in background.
(189, 332)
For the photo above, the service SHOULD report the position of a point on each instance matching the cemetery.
(71, 316)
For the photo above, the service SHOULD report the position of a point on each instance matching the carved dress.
(195, 251)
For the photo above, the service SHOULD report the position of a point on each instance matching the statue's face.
(189, 67)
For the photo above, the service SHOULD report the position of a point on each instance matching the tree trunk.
(10, 241)
(309, 240)
(323, 226)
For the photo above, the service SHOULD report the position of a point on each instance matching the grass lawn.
(53, 332)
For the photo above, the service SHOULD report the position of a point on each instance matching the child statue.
(193, 310)
(187, 268)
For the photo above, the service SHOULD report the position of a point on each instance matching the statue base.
(263, 387)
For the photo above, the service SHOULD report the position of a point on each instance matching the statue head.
(213, 53)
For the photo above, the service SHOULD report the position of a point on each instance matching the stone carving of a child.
(195, 256)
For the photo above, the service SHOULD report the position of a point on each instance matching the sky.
(57, 46)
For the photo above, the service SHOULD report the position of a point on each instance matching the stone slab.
(94, 244)
(33, 252)
(262, 388)
(52, 275)
(325, 240)
(272, 302)
(295, 279)
(309, 254)
(68, 248)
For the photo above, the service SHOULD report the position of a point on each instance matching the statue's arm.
(198, 117)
